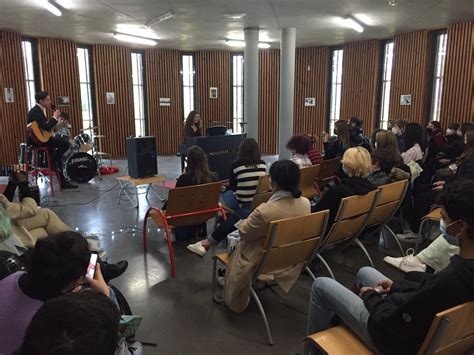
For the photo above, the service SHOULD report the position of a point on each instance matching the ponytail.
(295, 192)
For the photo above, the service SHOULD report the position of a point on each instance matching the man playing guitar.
(36, 114)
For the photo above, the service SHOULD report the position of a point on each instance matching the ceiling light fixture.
(67, 4)
(393, 2)
(235, 16)
(50, 7)
(263, 45)
(241, 44)
(160, 18)
(352, 23)
(134, 39)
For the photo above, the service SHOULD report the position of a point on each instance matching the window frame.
(332, 50)
(382, 93)
(434, 77)
(181, 82)
(235, 121)
(36, 68)
(144, 86)
(91, 82)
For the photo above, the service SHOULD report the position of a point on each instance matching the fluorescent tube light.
(135, 39)
(50, 7)
(235, 16)
(241, 44)
(67, 4)
(160, 18)
(264, 45)
(352, 23)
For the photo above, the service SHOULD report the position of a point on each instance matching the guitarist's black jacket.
(37, 114)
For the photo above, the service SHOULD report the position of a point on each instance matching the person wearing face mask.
(398, 129)
(356, 164)
(454, 144)
(394, 317)
(436, 141)
(337, 148)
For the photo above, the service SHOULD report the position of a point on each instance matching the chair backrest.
(390, 198)
(259, 199)
(351, 218)
(263, 184)
(308, 177)
(328, 168)
(292, 241)
(192, 199)
(452, 332)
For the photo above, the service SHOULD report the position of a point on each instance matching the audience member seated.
(336, 149)
(356, 164)
(413, 140)
(393, 317)
(373, 137)
(454, 144)
(384, 170)
(299, 147)
(398, 128)
(58, 266)
(386, 140)
(314, 154)
(8, 242)
(85, 322)
(436, 141)
(356, 135)
(286, 202)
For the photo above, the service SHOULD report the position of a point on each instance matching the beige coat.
(30, 223)
(244, 260)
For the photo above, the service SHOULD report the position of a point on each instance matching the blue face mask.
(449, 238)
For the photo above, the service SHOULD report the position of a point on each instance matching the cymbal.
(99, 136)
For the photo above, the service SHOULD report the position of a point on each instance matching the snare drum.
(84, 142)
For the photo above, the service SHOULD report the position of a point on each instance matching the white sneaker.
(407, 263)
(197, 248)
(409, 237)
(221, 281)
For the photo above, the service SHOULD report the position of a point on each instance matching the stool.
(37, 169)
(128, 181)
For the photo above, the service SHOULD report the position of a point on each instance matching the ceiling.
(201, 24)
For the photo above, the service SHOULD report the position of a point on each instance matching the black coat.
(333, 150)
(398, 323)
(37, 114)
(466, 169)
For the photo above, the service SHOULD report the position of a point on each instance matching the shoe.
(197, 248)
(407, 263)
(409, 237)
(68, 185)
(112, 271)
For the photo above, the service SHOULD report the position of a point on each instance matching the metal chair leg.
(394, 237)
(359, 243)
(264, 316)
(310, 273)
(326, 265)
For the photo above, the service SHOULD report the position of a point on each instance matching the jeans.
(229, 199)
(228, 226)
(329, 298)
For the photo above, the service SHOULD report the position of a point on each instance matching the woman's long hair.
(469, 147)
(190, 119)
(342, 132)
(386, 140)
(249, 152)
(198, 166)
(413, 134)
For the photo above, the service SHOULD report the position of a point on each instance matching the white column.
(251, 82)
(287, 89)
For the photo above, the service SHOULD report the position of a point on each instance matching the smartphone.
(91, 268)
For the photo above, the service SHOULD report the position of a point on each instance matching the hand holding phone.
(91, 268)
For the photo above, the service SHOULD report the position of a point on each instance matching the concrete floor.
(179, 314)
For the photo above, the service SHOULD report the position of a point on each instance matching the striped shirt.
(243, 180)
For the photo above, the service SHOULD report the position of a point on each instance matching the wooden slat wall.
(163, 80)
(12, 115)
(113, 73)
(411, 75)
(360, 82)
(269, 100)
(213, 70)
(60, 75)
(457, 103)
(311, 80)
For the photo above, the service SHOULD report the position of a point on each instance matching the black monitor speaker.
(141, 154)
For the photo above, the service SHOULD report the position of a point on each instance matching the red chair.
(186, 206)
(35, 155)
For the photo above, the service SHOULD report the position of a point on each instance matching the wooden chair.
(263, 184)
(351, 220)
(288, 242)
(451, 332)
(390, 199)
(327, 173)
(308, 177)
(186, 206)
(259, 199)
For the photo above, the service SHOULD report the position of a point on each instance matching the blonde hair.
(357, 162)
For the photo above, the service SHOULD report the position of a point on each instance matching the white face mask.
(395, 130)
(459, 132)
(450, 131)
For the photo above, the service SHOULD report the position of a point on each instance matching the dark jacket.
(454, 146)
(37, 114)
(333, 150)
(348, 187)
(466, 169)
(189, 132)
(401, 143)
(399, 322)
(187, 179)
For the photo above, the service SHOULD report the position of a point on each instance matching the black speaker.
(141, 155)
(216, 131)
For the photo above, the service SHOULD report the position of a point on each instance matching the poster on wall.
(213, 93)
(310, 101)
(165, 101)
(64, 101)
(9, 98)
(405, 100)
(110, 96)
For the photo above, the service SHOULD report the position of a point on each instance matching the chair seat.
(339, 340)
(223, 258)
(434, 214)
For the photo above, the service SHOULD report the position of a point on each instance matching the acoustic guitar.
(37, 134)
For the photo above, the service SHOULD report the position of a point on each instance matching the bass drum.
(80, 167)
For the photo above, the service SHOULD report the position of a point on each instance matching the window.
(386, 84)
(336, 84)
(438, 77)
(237, 92)
(30, 72)
(138, 94)
(85, 81)
(187, 72)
